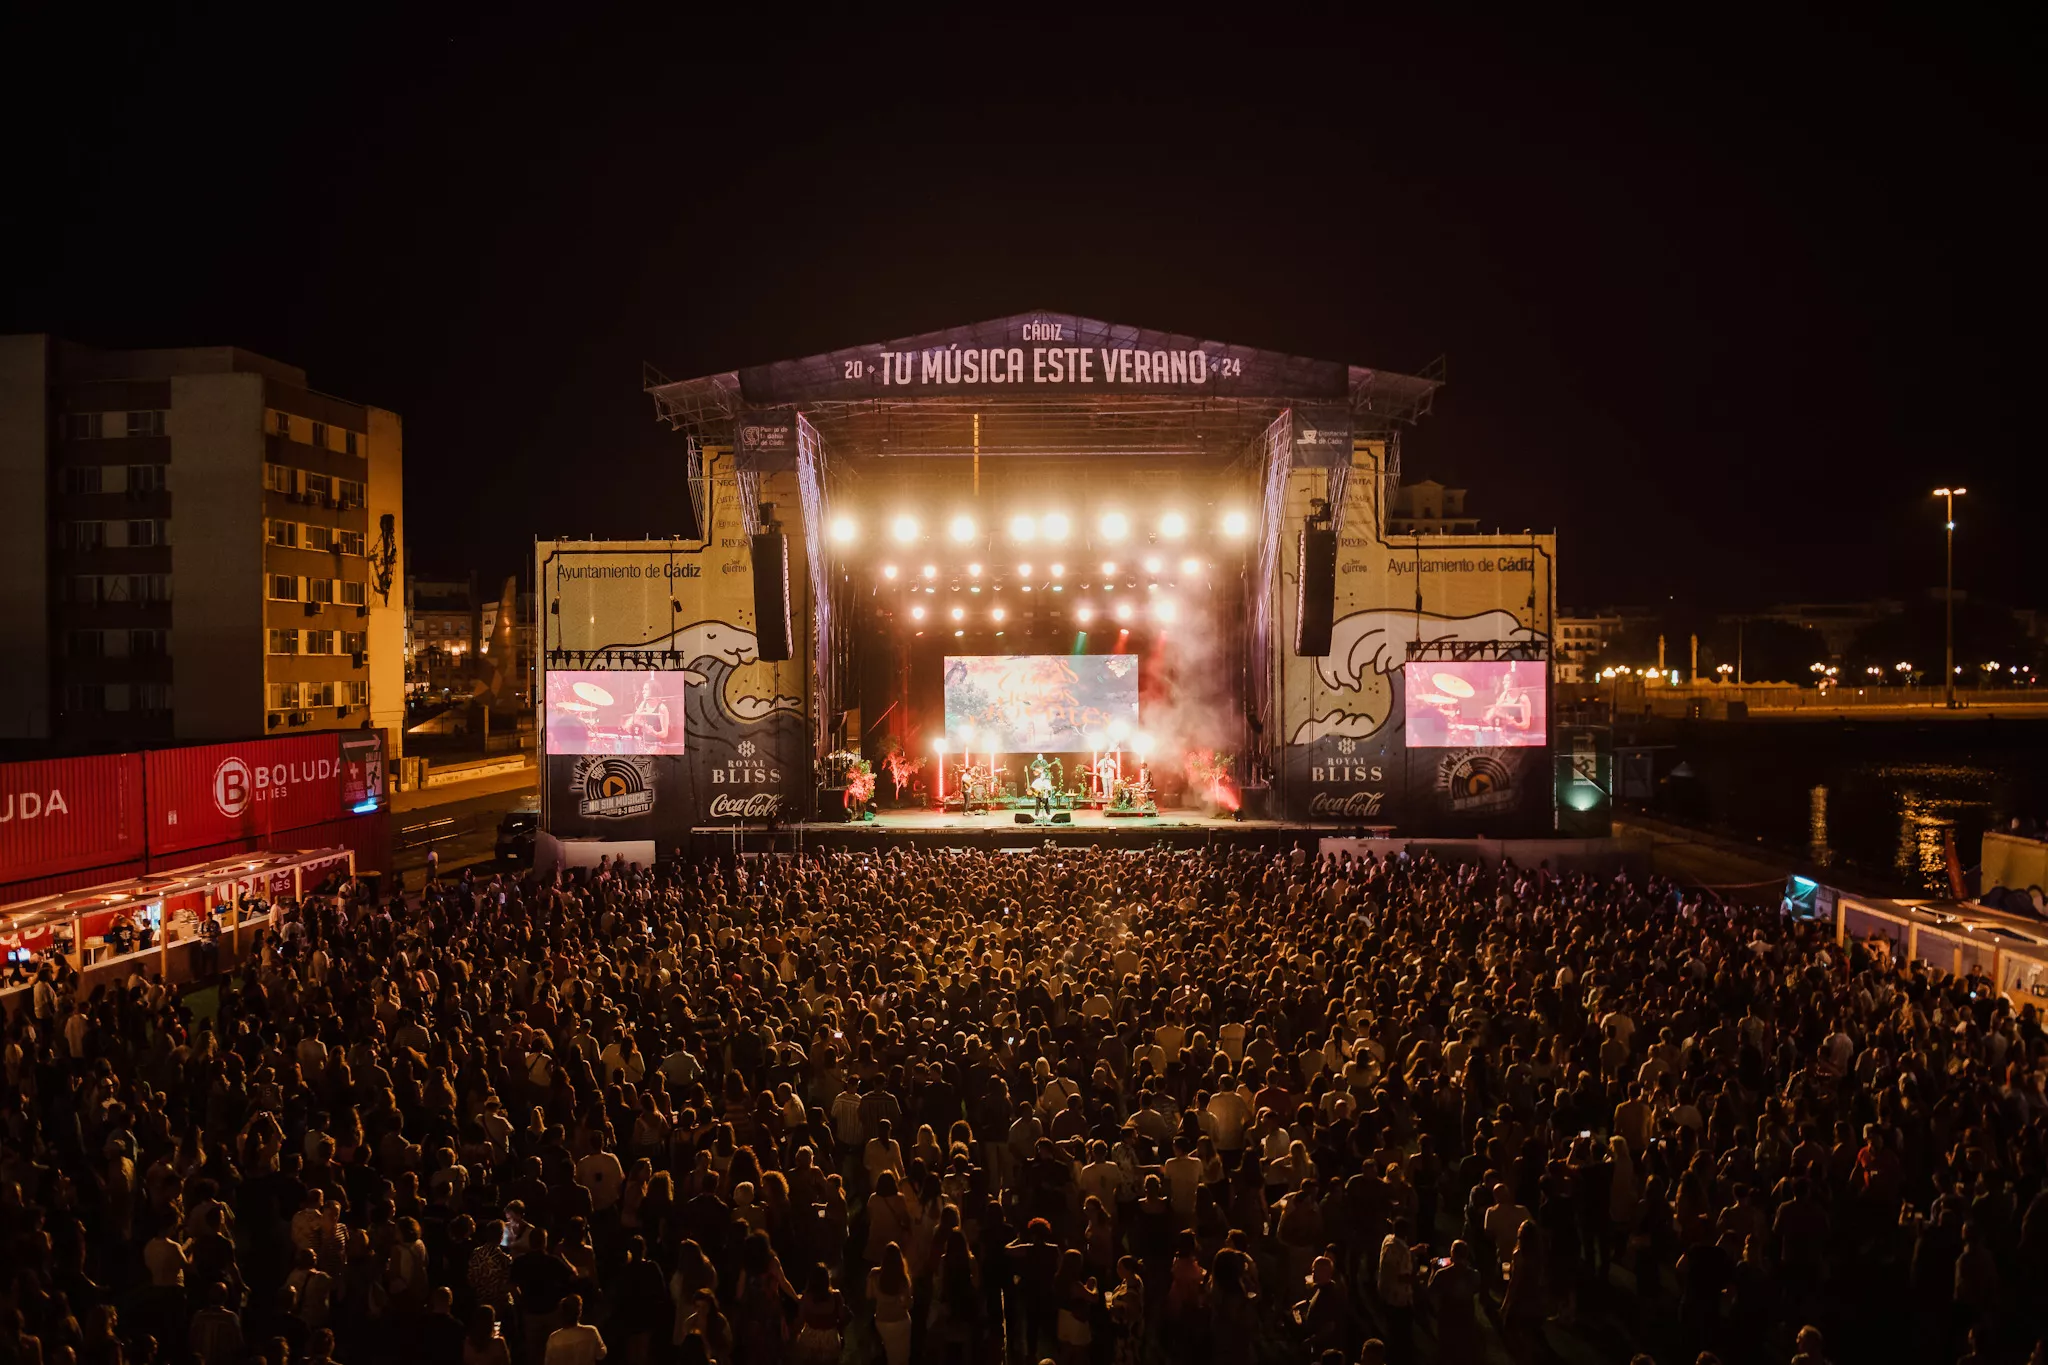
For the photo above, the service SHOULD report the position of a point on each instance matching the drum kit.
(598, 739)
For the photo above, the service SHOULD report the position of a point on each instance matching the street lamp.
(1948, 673)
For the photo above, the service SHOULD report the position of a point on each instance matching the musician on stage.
(649, 722)
(1041, 787)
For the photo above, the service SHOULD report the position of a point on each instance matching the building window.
(83, 535)
(282, 696)
(153, 697)
(83, 426)
(148, 478)
(348, 442)
(284, 425)
(349, 542)
(354, 641)
(351, 493)
(82, 478)
(316, 694)
(149, 644)
(84, 644)
(284, 588)
(277, 478)
(359, 692)
(146, 423)
(320, 434)
(85, 698)
(145, 533)
(351, 594)
(115, 697)
(319, 486)
(320, 590)
(319, 538)
(284, 533)
(284, 642)
(319, 642)
(150, 587)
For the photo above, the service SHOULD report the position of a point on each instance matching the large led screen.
(611, 712)
(1477, 705)
(1033, 702)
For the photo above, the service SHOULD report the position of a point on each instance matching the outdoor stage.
(931, 829)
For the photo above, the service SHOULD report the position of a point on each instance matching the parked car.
(516, 835)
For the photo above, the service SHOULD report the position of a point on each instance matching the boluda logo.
(32, 805)
(236, 785)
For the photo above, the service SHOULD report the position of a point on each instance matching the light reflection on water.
(1817, 847)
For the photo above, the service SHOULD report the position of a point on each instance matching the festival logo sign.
(613, 788)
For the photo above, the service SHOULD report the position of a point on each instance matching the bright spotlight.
(904, 528)
(1173, 526)
(917, 613)
(1114, 525)
(939, 745)
(844, 530)
(889, 572)
(1023, 571)
(1142, 742)
(961, 528)
(1118, 729)
(974, 570)
(930, 571)
(1022, 528)
(1191, 565)
(1058, 570)
(1123, 611)
(959, 613)
(1084, 613)
(1164, 609)
(1234, 524)
(1053, 526)
(996, 615)
(1152, 564)
(1109, 566)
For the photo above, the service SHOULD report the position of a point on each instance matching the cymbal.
(1451, 683)
(1437, 699)
(573, 706)
(593, 693)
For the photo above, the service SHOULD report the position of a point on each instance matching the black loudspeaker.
(1315, 599)
(1022, 817)
(771, 597)
(1063, 817)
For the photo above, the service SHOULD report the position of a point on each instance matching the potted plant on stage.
(860, 790)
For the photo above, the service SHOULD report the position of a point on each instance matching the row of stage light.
(1027, 573)
(1052, 528)
(1164, 610)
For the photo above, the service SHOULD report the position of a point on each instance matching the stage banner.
(1349, 754)
(1044, 353)
(1322, 436)
(766, 440)
(657, 713)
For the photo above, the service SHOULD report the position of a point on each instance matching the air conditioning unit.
(300, 717)
(356, 659)
(340, 711)
(276, 719)
(327, 501)
(363, 610)
(312, 608)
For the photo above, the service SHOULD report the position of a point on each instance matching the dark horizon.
(1720, 317)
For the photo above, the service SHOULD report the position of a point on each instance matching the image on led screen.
(1034, 702)
(1477, 705)
(611, 712)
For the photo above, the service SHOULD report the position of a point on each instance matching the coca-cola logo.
(1348, 805)
(759, 806)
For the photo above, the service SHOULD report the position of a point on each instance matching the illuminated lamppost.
(1948, 672)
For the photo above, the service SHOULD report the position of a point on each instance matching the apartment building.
(197, 546)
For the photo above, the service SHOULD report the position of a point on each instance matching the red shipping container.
(65, 814)
(39, 887)
(218, 793)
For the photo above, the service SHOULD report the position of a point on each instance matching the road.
(460, 821)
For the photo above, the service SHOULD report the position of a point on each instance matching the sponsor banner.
(69, 814)
(1322, 436)
(765, 439)
(220, 793)
(1043, 353)
(362, 772)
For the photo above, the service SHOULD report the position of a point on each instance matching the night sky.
(1720, 307)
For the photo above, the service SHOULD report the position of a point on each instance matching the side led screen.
(615, 713)
(1477, 705)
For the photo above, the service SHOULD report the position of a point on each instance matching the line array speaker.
(1315, 601)
(771, 597)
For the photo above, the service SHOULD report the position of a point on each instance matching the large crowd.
(1082, 1106)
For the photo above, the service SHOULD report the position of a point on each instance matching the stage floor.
(930, 829)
